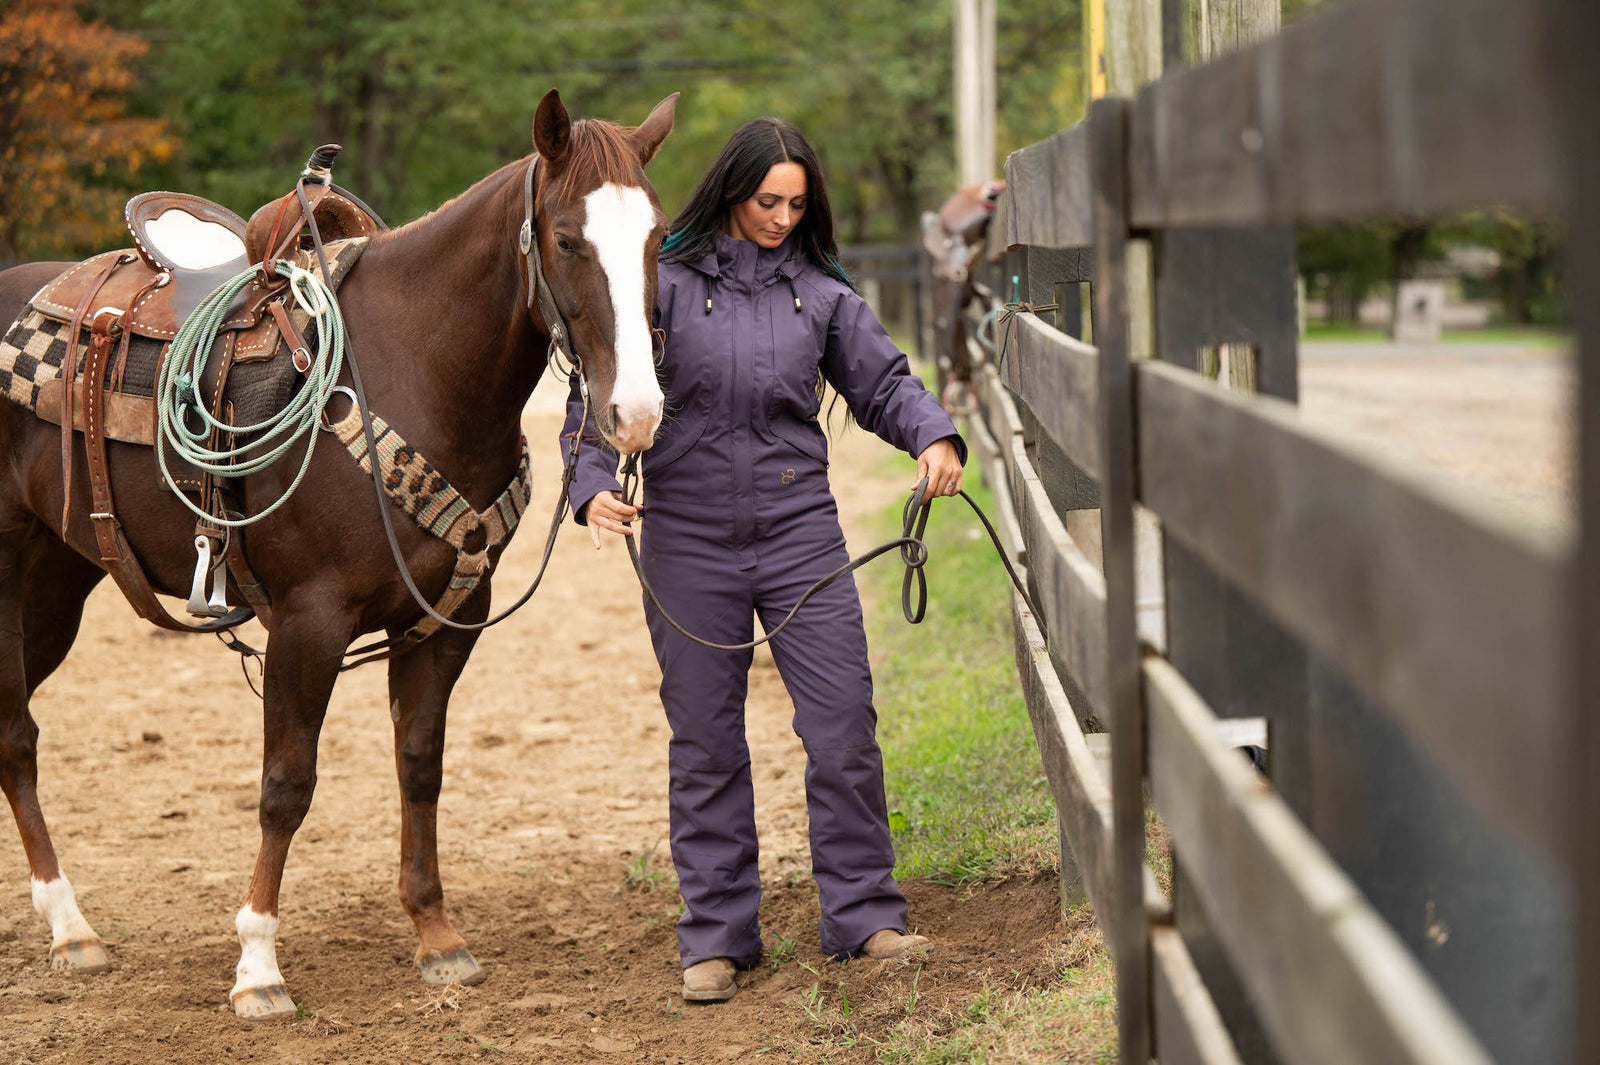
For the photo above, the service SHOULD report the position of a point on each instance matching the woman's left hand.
(941, 465)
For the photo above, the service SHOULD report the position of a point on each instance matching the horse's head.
(600, 227)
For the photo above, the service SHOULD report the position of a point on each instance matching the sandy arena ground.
(554, 787)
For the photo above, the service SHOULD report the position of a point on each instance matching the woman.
(756, 313)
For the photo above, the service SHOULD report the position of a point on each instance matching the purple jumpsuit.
(740, 521)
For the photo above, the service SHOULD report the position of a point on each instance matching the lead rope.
(395, 645)
(913, 553)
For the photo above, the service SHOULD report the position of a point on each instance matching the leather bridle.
(560, 350)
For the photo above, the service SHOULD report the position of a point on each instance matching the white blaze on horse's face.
(619, 220)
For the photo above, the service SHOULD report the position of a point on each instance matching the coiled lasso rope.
(178, 396)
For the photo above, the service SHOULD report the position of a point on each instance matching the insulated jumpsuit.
(741, 521)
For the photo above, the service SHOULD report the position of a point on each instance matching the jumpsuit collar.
(764, 266)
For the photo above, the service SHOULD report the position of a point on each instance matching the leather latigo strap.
(115, 552)
(69, 373)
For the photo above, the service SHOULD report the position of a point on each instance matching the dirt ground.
(552, 835)
(1494, 422)
(553, 818)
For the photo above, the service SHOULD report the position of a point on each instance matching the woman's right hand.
(608, 511)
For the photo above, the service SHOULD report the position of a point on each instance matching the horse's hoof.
(86, 956)
(452, 967)
(264, 1004)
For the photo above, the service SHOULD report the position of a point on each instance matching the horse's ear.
(653, 130)
(552, 129)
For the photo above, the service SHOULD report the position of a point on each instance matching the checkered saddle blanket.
(259, 382)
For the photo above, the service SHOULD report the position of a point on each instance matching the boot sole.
(716, 995)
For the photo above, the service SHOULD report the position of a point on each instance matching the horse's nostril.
(616, 415)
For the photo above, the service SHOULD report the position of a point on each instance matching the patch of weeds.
(1158, 849)
(1072, 1017)
(642, 875)
(782, 950)
(911, 996)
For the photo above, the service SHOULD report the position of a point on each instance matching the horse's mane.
(596, 146)
(603, 149)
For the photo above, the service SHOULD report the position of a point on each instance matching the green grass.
(1532, 336)
(968, 802)
(967, 797)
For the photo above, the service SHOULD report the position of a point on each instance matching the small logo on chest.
(788, 476)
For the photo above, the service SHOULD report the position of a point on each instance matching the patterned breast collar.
(419, 489)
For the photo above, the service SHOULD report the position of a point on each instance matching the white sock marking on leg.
(55, 902)
(258, 952)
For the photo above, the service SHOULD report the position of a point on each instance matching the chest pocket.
(798, 338)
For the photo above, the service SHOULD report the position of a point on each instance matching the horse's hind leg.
(42, 589)
(419, 689)
(303, 657)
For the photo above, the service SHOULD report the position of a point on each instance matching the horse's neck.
(462, 356)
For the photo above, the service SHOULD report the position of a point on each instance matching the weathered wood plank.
(1332, 982)
(999, 408)
(1120, 692)
(1379, 107)
(1058, 378)
(995, 246)
(1189, 1031)
(1082, 795)
(1051, 206)
(1071, 591)
(1450, 619)
(992, 464)
(1583, 92)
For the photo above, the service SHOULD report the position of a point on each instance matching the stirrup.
(199, 606)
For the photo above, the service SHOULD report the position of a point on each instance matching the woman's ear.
(552, 129)
(654, 129)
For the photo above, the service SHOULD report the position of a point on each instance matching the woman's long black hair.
(755, 148)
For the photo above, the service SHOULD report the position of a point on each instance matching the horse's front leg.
(419, 690)
(303, 657)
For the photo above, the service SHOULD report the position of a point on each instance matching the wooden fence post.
(1129, 930)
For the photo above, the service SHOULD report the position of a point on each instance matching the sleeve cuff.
(922, 445)
(579, 495)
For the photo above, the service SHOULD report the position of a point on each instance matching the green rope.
(178, 402)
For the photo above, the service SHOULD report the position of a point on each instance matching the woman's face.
(776, 208)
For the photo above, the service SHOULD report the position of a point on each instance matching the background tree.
(68, 148)
(427, 98)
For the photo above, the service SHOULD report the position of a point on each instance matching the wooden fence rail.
(1449, 624)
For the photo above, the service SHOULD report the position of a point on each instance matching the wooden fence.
(1414, 878)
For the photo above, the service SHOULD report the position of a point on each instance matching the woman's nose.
(782, 217)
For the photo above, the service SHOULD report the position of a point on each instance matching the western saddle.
(185, 247)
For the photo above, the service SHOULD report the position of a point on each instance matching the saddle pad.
(35, 346)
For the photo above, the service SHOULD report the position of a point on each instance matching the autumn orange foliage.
(67, 145)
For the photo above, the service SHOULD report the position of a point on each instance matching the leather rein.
(913, 553)
(560, 355)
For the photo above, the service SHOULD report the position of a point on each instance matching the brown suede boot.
(886, 943)
(709, 981)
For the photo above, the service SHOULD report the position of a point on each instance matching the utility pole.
(975, 90)
(1219, 27)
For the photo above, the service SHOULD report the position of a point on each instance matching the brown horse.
(437, 315)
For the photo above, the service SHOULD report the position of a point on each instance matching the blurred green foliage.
(428, 97)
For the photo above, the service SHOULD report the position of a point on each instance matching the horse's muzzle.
(633, 426)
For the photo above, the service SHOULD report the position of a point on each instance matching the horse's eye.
(566, 246)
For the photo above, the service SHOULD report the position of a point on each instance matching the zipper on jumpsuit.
(743, 384)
